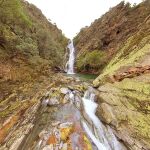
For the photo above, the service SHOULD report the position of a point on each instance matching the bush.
(94, 60)
(12, 13)
(28, 47)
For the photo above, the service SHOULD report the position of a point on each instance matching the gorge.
(41, 109)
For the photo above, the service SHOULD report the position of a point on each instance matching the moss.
(129, 55)
(87, 142)
(133, 85)
(91, 60)
(16, 106)
(132, 104)
(140, 124)
(131, 59)
(134, 94)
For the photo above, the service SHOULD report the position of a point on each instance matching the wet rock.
(4, 148)
(87, 118)
(65, 146)
(66, 99)
(77, 87)
(78, 80)
(77, 101)
(16, 143)
(64, 90)
(45, 102)
(43, 134)
(48, 147)
(71, 96)
(53, 101)
(56, 123)
(65, 125)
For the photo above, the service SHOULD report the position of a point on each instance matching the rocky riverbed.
(58, 119)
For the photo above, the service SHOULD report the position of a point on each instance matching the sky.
(72, 15)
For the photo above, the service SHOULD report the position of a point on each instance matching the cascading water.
(73, 125)
(70, 63)
(102, 136)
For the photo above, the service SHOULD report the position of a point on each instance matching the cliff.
(124, 89)
(97, 44)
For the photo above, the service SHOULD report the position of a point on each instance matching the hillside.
(28, 42)
(119, 42)
(124, 90)
(30, 48)
(98, 43)
(44, 110)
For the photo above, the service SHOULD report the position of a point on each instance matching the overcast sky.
(71, 15)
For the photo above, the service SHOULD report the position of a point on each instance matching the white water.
(70, 63)
(99, 145)
(103, 137)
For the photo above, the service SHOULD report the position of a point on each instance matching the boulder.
(106, 113)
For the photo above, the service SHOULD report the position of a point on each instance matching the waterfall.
(70, 63)
(103, 136)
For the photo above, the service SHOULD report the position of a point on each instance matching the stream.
(72, 125)
(66, 119)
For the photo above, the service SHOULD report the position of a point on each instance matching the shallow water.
(83, 77)
(71, 126)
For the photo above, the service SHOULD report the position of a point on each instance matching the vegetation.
(131, 53)
(91, 61)
(111, 31)
(28, 41)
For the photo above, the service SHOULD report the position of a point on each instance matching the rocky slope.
(30, 48)
(36, 109)
(20, 107)
(58, 118)
(120, 39)
(124, 90)
(29, 43)
(98, 43)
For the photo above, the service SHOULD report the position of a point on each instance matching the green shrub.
(12, 13)
(27, 46)
(94, 60)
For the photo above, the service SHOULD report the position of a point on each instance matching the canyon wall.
(97, 44)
